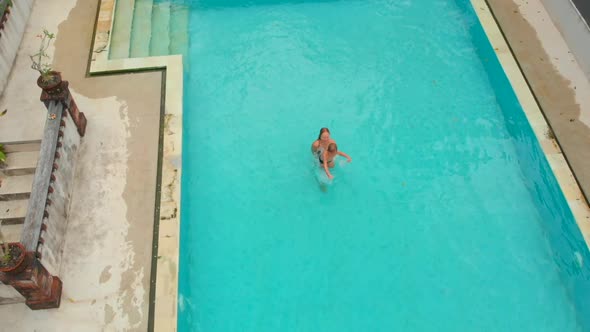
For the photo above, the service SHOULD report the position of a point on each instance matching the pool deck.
(108, 249)
(108, 252)
(164, 299)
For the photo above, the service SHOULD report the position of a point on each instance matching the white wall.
(574, 29)
(12, 34)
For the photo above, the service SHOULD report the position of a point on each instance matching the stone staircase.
(149, 28)
(142, 22)
(16, 179)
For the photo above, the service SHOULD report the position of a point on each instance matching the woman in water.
(327, 158)
(321, 144)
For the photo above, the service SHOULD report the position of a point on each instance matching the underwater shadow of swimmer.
(322, 183)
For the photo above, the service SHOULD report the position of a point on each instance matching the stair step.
(9, 295)
(141, 28)
(21, 146)
(179, 25)
(16, 187)
(13, 212)
(20, 163)
(12, 233)
(121, 34)
(160, 41)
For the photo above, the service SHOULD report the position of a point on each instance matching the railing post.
(40, 289)
(64, 96)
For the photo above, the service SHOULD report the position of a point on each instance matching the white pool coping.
(167, 257)
(166, 288)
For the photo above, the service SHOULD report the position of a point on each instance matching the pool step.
(179, 24)
(160, 36)
(121, 37)
(141, 29)
(156, 28)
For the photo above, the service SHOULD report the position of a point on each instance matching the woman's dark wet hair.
(323, 130)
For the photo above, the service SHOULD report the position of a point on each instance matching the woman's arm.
(314, 146)
(345, 155)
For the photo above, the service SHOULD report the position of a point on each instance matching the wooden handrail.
(41, 181)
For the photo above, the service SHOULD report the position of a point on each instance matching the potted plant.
(12, 256)
(49, 80)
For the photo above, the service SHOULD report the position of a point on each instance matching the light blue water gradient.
(448, 218)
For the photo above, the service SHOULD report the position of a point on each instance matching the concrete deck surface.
(107, 256)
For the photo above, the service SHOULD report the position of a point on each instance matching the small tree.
(41, 62)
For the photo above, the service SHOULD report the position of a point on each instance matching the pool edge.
(163, 299)
(559, 166)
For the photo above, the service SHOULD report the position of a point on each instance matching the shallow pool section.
(144, 28)
(448, 217)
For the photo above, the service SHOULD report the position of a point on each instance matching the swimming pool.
(448, 218)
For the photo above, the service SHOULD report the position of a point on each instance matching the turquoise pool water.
(447, 219)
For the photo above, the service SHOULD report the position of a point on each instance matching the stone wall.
(11, 34)
(574, 28)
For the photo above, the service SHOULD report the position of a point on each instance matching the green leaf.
(2, 154)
